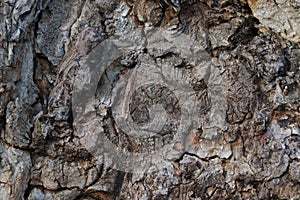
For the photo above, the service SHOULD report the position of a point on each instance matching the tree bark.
(149, 99)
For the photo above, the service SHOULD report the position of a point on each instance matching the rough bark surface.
(210, 90)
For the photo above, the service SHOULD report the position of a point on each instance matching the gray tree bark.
(149, 99)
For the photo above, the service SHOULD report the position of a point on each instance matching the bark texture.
(210, 90)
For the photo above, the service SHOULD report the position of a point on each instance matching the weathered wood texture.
(209, 90)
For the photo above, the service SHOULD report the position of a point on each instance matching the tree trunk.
(149, 99)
